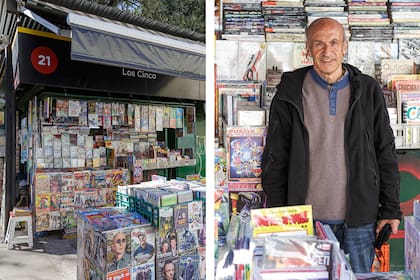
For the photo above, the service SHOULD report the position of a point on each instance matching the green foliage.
(188, 14)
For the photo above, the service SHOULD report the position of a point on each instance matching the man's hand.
(393, 222)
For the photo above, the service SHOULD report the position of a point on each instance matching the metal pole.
(10, 125)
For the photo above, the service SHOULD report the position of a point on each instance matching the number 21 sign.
(44, 60)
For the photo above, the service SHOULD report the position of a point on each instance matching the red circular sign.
(44, 60)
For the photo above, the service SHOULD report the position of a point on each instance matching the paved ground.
(51, 258)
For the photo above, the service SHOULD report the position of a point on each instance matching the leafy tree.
(189, 14)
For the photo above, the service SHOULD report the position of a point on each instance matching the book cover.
(396, 66)
(282, 219)
(143, 247)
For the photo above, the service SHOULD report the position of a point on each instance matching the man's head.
(119, 244)
(172, 240)
(189, 261)
(142, 240)
(327, 45)
(164, 247)
(168, 270)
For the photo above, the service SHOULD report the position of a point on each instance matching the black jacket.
(372, 169)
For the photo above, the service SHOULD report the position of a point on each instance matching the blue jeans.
(358, 243)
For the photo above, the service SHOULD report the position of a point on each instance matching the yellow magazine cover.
(265, 221)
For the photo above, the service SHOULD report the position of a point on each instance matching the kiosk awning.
(129, 46)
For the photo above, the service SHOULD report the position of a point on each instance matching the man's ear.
(308, 52)
(345, 47)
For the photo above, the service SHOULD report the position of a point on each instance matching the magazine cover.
(282, 219)
(167, 268)
(245, 148)
(54, 220)
(202, 263)
(189, 267)
(166, 233)
(120, 274)
(181, 216)
(143, 248)
(143, 272)
(187, 240)
(195, 215)
(118, 250)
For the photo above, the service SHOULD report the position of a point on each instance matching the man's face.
(118, 244)
(173, 243)
(165, 247)
(142, 240)
(327, 47)
(169, 271)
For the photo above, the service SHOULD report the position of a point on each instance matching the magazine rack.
(11, 238)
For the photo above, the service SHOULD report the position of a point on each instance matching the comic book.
(68, 219)
(144, 271)
(143, 247)
(61, 108)
(41, 221)
(189, 267)
(54, 220)
(42, 182)
(268, 221)
(244, 153)
(42, 202)
(67, 182)
(82, 180)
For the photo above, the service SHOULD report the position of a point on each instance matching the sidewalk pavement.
(50, 258)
